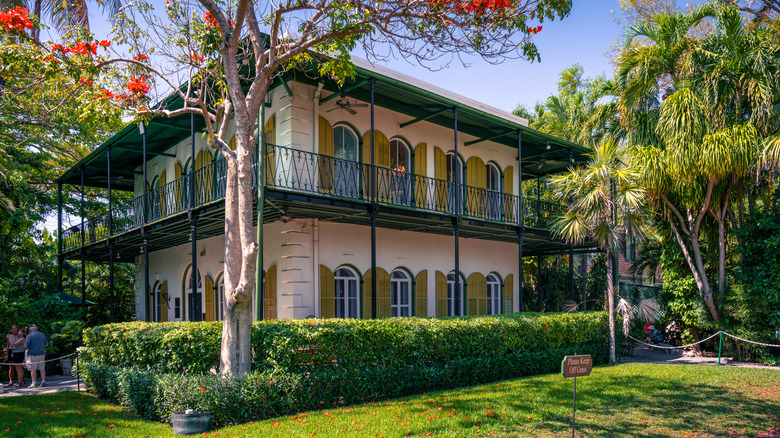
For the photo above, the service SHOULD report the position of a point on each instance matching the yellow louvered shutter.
(270, 293)
(269, 136)
(509, 205)
(383, 309)
(327, 293)
(441, 294)
(440, 166)
(326, 165)
(476, 286)
(204, 179)
(421, 294)
(164, 301)
(476, 194)
(381, 159)
(509, 293)
(179, 189)
(208, 291)
(420, 185)
(232, 143)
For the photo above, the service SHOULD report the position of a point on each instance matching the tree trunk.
(697, 269)
(36, 31)
(584, 280)
(721, 259)
(240, 255)
(611, 308)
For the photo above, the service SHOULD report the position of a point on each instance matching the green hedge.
(348, 344)
(156, 369)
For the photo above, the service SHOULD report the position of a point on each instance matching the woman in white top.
(16, 347)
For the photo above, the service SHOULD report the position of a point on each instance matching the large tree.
(221, 58)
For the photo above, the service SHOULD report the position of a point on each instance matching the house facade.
(434, 227)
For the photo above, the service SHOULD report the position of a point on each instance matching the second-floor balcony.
(295, 171)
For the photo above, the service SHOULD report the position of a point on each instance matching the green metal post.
(720, 345)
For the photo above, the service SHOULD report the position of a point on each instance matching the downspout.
(315, 277)
(315, 244)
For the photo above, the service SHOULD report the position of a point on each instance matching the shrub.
(156, 369)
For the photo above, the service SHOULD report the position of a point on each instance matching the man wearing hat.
(35, 345)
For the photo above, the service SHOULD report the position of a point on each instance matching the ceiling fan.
(541, 162)
(345, 104)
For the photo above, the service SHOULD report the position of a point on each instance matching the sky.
(584, 37)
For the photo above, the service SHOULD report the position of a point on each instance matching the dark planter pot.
(189, 424)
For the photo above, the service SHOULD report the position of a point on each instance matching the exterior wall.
(298, 248)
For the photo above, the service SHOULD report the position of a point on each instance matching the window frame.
(494, 301)
(397, 307)
(455, 307)
(342, 304)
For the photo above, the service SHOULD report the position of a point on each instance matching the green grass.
(625, 400)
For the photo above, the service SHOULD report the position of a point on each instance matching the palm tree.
(608, 206)
(66, 14)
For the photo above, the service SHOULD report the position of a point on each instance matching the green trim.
(159, 154)
(286, 86)
(491, 138)
(344, 91)
(423, 118)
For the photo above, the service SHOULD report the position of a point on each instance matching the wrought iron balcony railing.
(293, 170)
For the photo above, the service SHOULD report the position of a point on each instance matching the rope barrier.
(670, 347)
(752, 342)
(50, 360)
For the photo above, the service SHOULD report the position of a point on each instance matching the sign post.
(576, 366)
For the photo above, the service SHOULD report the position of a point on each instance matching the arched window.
(400, 293)
(345, 143)
(493, 192)
(156, 299)
(346, 290)
(190, 297)
(400, 173)
(454, 168)
(220, 298)
(346, 169)
(454, 176)
(454, 299)
(493, 295)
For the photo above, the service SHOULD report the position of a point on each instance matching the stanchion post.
(574, 407)
(78, 373)
(720, 344)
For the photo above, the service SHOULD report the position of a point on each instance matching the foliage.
(597, 283)
(354, 344)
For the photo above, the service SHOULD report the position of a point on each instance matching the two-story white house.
(444, 228)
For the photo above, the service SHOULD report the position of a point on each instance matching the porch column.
(194, 302)
(520, 219)
(571, 245)
(59, 235)
(259, 277)
(83, 252)
(144, 232)
(538, 202)
(110, 235)
(374, 205)
(460, 308)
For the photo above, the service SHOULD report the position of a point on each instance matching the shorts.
(37, 363)
(17, 357)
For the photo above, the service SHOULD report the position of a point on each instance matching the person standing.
(36, 344)
(16, 347)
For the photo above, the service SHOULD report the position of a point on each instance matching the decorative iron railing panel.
(299, 171)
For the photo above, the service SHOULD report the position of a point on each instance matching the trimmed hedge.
(156, 369)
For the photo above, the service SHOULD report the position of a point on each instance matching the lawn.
(625, 400)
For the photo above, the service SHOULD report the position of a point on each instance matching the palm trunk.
(721, 259)
(611, 307)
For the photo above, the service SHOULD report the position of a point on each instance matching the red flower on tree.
(138, 87)
(105, 44)
(15, 20)
(140, 57)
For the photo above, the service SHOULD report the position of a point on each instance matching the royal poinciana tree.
(221, 58)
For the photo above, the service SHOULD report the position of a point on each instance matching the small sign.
(576, 366)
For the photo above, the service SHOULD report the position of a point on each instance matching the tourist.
(16, 355)
(36, 344)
